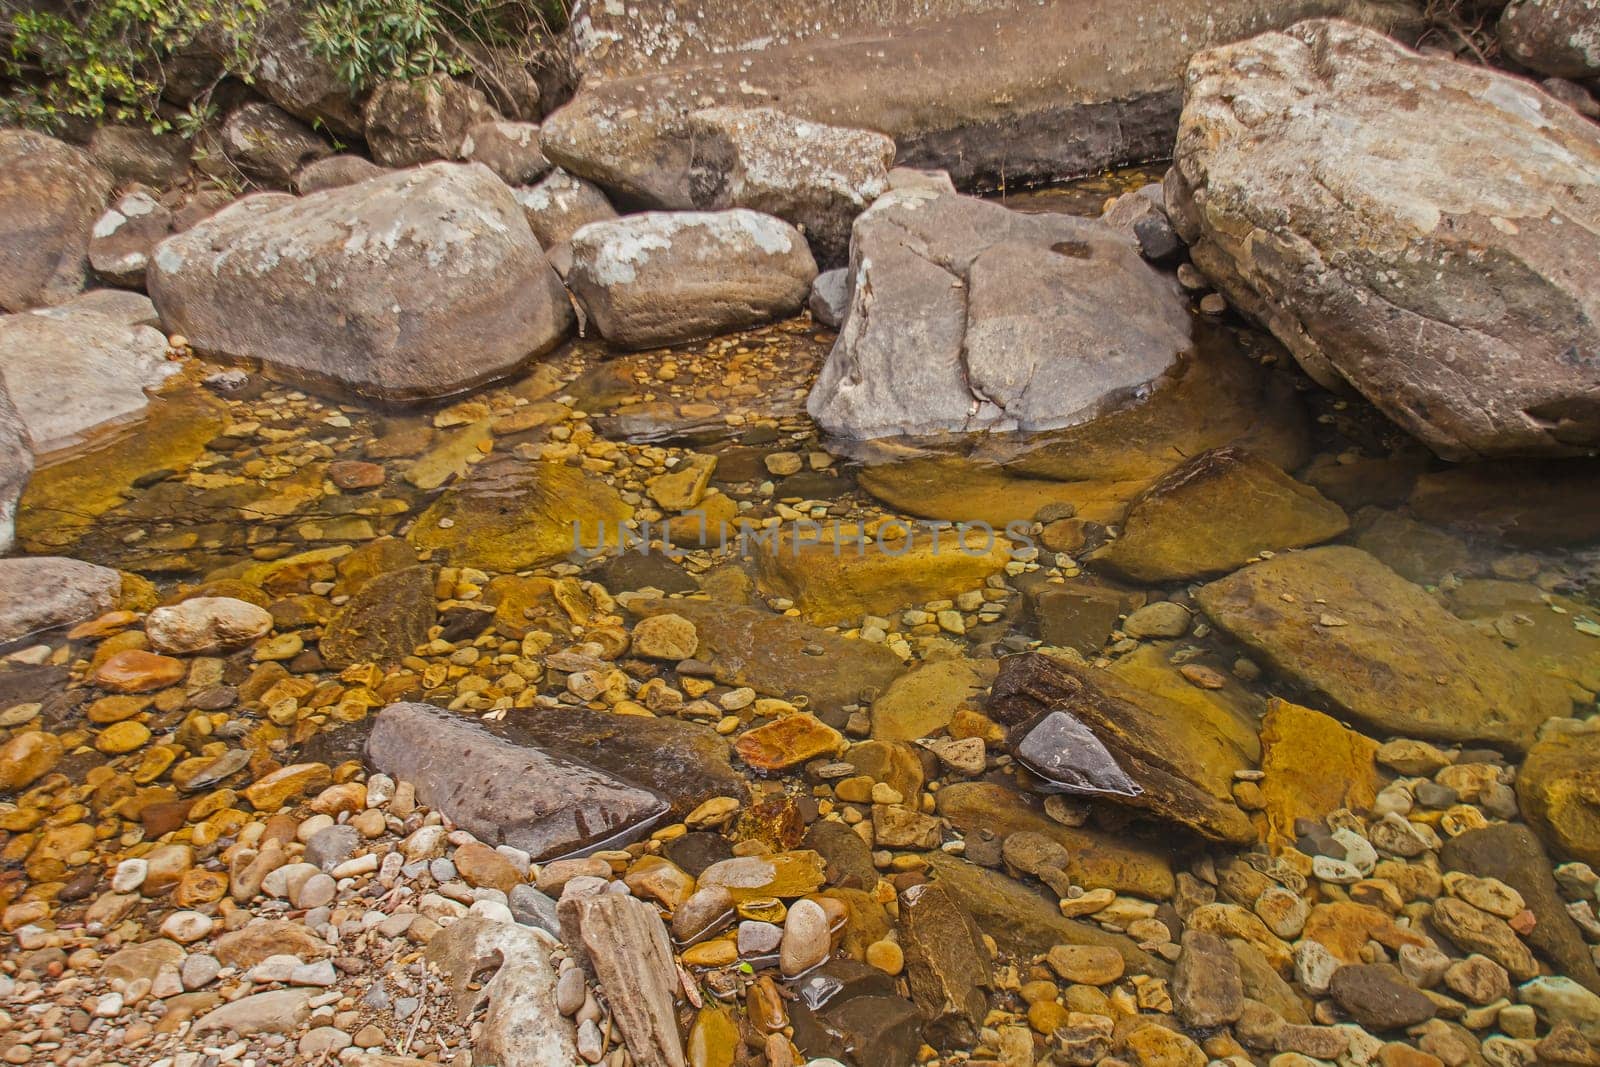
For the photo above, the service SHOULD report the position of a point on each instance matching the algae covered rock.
(1312, 766)
(1559, 789)
(1380, 650)
(1216, 513)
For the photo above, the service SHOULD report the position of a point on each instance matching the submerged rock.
(504, 792)
(384, 621)
(966, 316)
(1538, 505)
(838, 580)
(509, 516)
(1312, 766)
(43, 592)
(50, 196)
(1380, 650)
(73, 372)
(1436, 280)
(1213, 515)
(1559, 791)
(782, 656)
(1095, 859)
(922, 701)
(947, 965)
(446, 242)
(1088, 733)
(661, 278)
(1543, 630)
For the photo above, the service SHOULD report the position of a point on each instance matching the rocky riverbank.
(899, 628)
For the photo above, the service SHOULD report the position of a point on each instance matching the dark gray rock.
(134, 154)
(504, 792)
(830, 297)
(1378, 999)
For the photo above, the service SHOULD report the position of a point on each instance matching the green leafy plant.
(369, 41)
(109, 60)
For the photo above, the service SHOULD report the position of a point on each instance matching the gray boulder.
(50, 196)
(505, 793)
(561, 205)
(419, 283)
(1555, 37)
(510, 149)
(830, 297)
(74, 373)
(967, 316)
(664, 277)
(39, 593)
(1427, 263)
(269, 144)
(816, 176)
(418, 121)
(130, 229)
(16, 466)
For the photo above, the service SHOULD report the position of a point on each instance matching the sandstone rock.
(502, 792)
(1534, 505)
(967, 316)
(50, 196)
(981, 89)
(1088, 733)
(294, 77)
(923, 701)
(1472, 930)
(278, 1011)
(40, 593)
(835, 580)
(206, 624)
(1424, 279)
(817, 177)
(1377, 999)
(125, 236)
(1558, 787)
(510, 516)
(136, 154)
(384, 621)
(334, 172)
(560, 206)
(510, 149)
(661, 278)
(74, 373)
(268, 144)
(1557, 37)
(26, 757)
(1213, 515)
(1206, 987)
(409, 122)
(136, 671)
(669, 637)
(446, 241)
(781, 656)
(1379, 649)
(947, 965)
(788, 741)
(1312, 766)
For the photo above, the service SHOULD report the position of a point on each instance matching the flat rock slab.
(415, 284)
(503, 792)
(1434, 278)
(1089, 733)
(1380, 650)
(781, 656)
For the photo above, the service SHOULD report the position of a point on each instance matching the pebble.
(805, 941)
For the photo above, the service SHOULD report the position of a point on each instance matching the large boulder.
(1556, 37)
(415, 284)
(270, 145)
(966, 316)
(1381, 650)
(664, 277)
(16, 466)
(411, 122)
(503, 792)
(1428, 262)
(73, 372)
(995, 91)
(816, 176)
(40, 593)
(50, 196)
